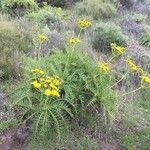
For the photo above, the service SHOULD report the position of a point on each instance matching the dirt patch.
(14, 139)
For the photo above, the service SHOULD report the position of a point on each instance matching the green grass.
(7, 124)
(86, 101)
(135, 127)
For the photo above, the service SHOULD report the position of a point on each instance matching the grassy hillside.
(75, 74)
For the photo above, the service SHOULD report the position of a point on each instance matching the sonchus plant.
(41, 103)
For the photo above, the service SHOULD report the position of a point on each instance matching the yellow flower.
(41, 72)
(56, 82)
(37, 71)
(82, 23)
(45, 85)
(47, 92)
(36, 84)
(74, 40)
(105, 67)
(117, 49)
(43, 37)
(53, 86)
(133, 66)
(49, 77)
(55, 93)
(42, 80)
(145, 78)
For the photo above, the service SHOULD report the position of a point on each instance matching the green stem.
(80, 33)
(119, 80)
(39, 51)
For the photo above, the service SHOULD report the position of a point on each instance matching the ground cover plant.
(74, 75)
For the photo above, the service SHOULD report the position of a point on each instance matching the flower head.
(36, 84)
(42, 37)
(133, 66)
(55, 93)
(56, 82)
(82, 23)
(49, 92)
(48, 85)
(105, 67)
(74, 40)
(146, 78)
(37, 71)
(117, 49)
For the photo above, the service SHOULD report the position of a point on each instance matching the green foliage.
(139, 18)
(146, 39)
(70, 141)
(62, 3)
(106, 33)
(96, 9)
(6, 124)
(18, 7)
(135, 122)
(83, 85)
(13, 42)
(47, 15)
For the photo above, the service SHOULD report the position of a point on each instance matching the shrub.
(47, 15)
(58, 3)
(83, 84)
(146, 39)
(106, 33)
(17, 7)
(13, 42)
(139, 18)
(127, 3)
(56, 41)
(141, 7)
(62, 3)
(96, 9)
(132, 27)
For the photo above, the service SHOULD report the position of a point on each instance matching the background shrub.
(18, 7)
(127, 3)
(58, 3)
(106, 33)
(139, 18)
(146, 39)
(13, 42)
(131, 26)
(55, 41)
(50, 16)
(97, 9)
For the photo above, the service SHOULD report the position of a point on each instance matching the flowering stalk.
(39, 51)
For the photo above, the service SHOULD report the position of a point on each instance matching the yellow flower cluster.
(84, 23)
(105, 67)
(74, 40)
(36, 84)
(117, 49)
(37, 71)
(145, 78)
(49, 85)
(133, 66)
(42, 37)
